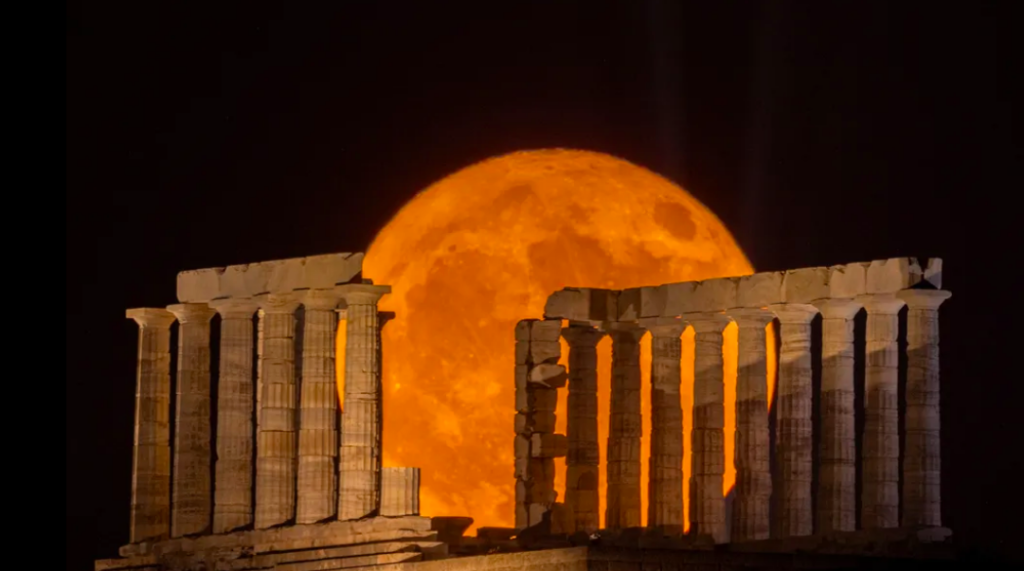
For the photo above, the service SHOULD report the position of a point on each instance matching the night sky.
(820, 134)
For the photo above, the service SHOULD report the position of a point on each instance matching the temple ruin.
(260, 463)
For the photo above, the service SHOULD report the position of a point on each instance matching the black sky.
(820, 133)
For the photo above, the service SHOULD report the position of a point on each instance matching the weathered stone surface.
(277, 276)
(400, 492)
(636, 303)
(582, 456)
(665, 480)
(716, 294)
(548, 445)
(582, 304)
(190, 485)
(623, 496)
(892, 275)
(805, 285)
(151, 456)
(549, 375)
(847, 281)
(760, 290)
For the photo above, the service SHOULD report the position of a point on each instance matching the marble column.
(922, 502)
(794, 430)
(583, 457)
(837, 475)
(151, 454)
(318, 409)
(232, 499)
(625, 428)
(751, 517)
(360, 461)
(190, 485)
(880, 498)
(707, 502)
(665, 473)
(276, 439)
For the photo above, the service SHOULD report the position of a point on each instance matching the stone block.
(635, 303)
(547, 330)
(543, 399)
(275, 276)
(549, 375)
(523, 329)
(759, 290)
(848, 280)
(545, 352)
(544, 445)
(716, 294)
(933, 272)
(805, 285)
(892, 275)
(582, 304)
(399, 491)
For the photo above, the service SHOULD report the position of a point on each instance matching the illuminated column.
(794, 433)
(624, 429)
(151, 456)
(583, 458)
(360, 456)
(318, 409)
(707, 502)
(665, 487)
(190, 493)
(880, 499)
(232, 501)
(753, 473)
(921, 458)
(275, 445)
(837, 459)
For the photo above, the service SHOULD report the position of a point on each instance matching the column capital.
(151, 317)
(192, 312)
(321, 299)
(707, 322)
(625, 331)
(363, 294)
(794, 313)
(837, 308)
(924, 298)
(881, 303)
(279, 302)
(235, 308)
(663, 327)
(384, 317)
(582, 335)
(751, 317)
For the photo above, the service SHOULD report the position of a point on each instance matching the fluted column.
(922, 501)
(750, 518)
(190, 493)
(794, 433)
(276, 440)
(360, 460)
(318, 409)
(232, 500)
(151, 454)
(880, 500)
(707, 502)
(583, 457)
(665, 485)
(625, 428)
(837, 473)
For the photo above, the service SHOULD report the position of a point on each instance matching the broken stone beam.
(151, 458)
(837, 457)
(400, 492)
(881, 451)
(360, 462)
(318, 409)
(583, 455)
(665, 485)
(707, 504)
(232, 500)
(582, 304)
(275, 445)
(277, 276)
(794, 442)
(625, 429)
(750, 516)
(190, 484)
(922, 498)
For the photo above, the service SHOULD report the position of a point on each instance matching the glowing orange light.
(483, 248)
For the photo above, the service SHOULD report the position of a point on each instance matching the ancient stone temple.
(261, 462)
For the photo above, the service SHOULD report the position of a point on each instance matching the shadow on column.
(215, 324)
(816, 352)
(859, 377)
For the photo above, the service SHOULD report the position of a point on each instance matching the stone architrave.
(707, 502)
(359, 464)
(750, 518)
(190, 485)
(625, 429)
(232, 495)
(837, 473)
(665, 484)
(583, 458)
(318, 409)
(922, 501)
(276, 439)
(880, 499)
(793, 515)
(151, 458)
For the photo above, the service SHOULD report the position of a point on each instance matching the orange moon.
(483, 248)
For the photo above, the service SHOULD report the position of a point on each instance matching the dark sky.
(820, 133)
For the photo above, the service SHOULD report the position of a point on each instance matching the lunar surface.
(483, 248)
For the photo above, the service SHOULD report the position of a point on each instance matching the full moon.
(483, 248)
